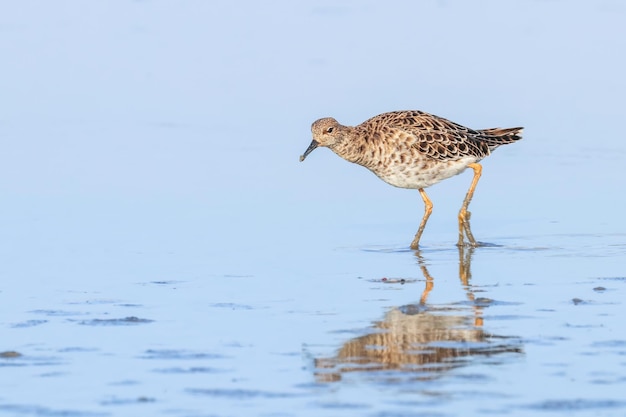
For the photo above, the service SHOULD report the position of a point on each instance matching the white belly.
(422, 176)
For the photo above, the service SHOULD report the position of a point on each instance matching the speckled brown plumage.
(413, 149)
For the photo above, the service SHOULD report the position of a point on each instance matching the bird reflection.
(422, 339)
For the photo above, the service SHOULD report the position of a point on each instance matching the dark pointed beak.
(314, 144)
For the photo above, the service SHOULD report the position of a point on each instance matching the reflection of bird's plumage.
(414, 149)
(403, 341)
(412, 337)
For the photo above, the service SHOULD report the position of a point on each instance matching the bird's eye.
(330, 130)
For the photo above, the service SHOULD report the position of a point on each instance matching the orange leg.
(428, 208)
(464, 215)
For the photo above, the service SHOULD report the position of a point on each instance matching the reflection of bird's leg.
(465, 275)
(429, 285)
(464, 215)
(428, 208)
(429, 279)
(465, 262)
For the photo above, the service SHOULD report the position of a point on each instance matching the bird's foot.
(474, 244)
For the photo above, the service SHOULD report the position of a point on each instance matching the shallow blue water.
(163, 252)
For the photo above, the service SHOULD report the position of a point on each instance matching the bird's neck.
(354, 147)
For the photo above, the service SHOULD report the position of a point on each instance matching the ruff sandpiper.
(414, 149)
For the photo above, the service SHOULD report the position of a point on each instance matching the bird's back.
(435, 137)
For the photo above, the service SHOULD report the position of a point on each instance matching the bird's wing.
(439, 138)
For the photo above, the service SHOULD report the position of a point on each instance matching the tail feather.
(498, 136)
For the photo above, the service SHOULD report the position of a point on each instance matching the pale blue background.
(149, 168)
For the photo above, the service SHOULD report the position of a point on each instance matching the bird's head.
(326, 132)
